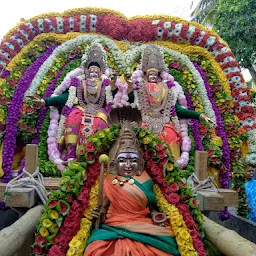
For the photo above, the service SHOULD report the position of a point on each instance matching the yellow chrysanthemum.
(71, 252)
(146, 140)
(169, 167)
(54, 215)
(44, 232)
(47, 223)
(217, 141)
(54, 228)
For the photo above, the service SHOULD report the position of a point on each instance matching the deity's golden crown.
(152, 59)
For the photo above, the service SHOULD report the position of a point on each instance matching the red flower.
(194, 234)
(183, 208)
(38, 250)
(161, 154)
(163, 161)
(70, 199)
(182, 185)
(53, 203)
(90, 156)
(56, 251)
(90, 147)
(201, 251)
(173, 198)
(63, 207)
(146, 156)
(174, 187)
(40, 240)
(159, 147)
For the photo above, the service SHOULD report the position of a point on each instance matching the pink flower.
(38, 250)
(90, 147)
(161, 154)
(159, 147)
(173, 198)
(53, 203)
(40, 240)
(174, 187)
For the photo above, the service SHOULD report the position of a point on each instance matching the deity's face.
(152, 77)
(94, 72)
(249, 173)
(127, 164)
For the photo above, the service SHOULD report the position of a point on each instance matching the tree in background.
(235, 22)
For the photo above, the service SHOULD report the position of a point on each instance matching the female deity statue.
(89, 115)
(130, 223)
(157, 97)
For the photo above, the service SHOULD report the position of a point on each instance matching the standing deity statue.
(157, 98)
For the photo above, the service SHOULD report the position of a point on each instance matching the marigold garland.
(182, 236)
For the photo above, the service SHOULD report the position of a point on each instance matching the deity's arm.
(186, 113)
(57, 101)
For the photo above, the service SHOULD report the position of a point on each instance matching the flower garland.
(13, 113)
(78, 242)
(182, 235)
(72, 44)
(224, 175)
(42, 114)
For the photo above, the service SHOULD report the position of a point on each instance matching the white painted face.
(94, 73)
(153, 77)
(127, 164)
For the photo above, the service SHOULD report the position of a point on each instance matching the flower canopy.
(36, 56)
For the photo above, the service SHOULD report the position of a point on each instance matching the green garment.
(57, 101)
(185, 113)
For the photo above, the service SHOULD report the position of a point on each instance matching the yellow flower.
(169, 167)
(54, 215)
(44, 232)
(75, 242)
(146, 140)
(184, 235)
(142, 134)
(217, 141)
(71, 252)
(54, 228)
(47, 223)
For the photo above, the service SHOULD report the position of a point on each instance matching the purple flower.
(41, 115)
(173, 110)
(106, 82)
(75, 82)
(109, 106)
(14, 111)
(224, 215)
(220, 131)
(5, 74)
(66, 110)
(170, 84)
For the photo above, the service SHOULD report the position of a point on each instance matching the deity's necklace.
(122, 181)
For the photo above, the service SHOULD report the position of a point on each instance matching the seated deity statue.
(157, 94)
(131, 224)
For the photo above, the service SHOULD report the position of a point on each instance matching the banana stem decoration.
(103, 159)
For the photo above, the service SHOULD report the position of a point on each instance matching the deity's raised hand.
(206, 119)
(37, 100)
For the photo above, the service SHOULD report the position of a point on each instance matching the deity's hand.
(158, 218)
(204, 118)
(37, 100)
(97, 212)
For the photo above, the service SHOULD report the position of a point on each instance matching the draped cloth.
(250, 188)
(127, 229)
